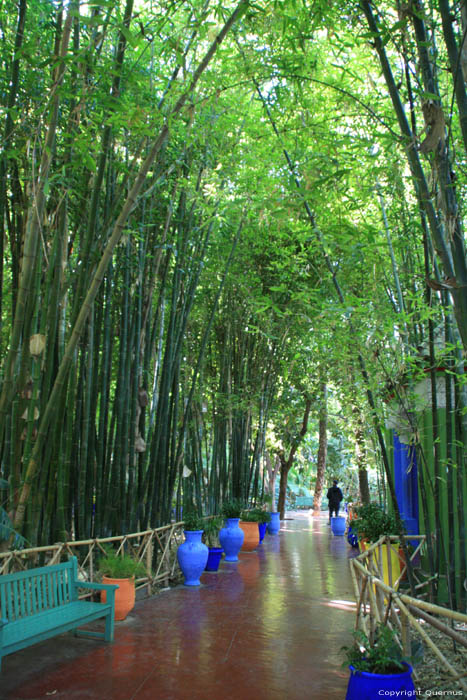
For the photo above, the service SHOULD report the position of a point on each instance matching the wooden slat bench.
(40, 603)
(304, 502)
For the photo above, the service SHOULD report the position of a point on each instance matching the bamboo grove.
(209, 212)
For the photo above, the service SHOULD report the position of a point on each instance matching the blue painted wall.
(406, 484)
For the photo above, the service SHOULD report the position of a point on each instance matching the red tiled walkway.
(267, 628)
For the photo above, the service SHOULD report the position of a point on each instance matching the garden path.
(268, 628)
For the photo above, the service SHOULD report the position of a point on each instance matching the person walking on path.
(334, 496)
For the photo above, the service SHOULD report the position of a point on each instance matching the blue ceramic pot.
(231, 538)
(262, 530)
(192, 556)
(214, 558)
(352, 537)
(338, 525)
(274, 524)
(368, 686)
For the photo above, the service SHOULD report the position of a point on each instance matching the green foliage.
(193, 521)
(132, 403)
(249, 516)
(212, 527)
(232, 509)
(382, 656)
(372, 522)
(257, 515)
(8, 533)
(116, 565)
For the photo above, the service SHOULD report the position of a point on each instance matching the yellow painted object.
(391, 568)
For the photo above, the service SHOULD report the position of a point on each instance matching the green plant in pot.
(261, 515)
(263, 518)
(116, 565)
(372, 523)
(377, 666)
(249, 519)
(193, 522)
(212, 527)
(121, 569)
(232, 508)
(250, 515)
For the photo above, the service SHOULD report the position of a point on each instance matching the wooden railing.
(379, 602)
(156, 549)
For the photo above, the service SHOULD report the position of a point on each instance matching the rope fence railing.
(376, 579)
(155, 548)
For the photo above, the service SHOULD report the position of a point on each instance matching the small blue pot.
(274, 524)
(192, 556)
(214, 558)
(231, 538)
(262, 530)
(368, 686)
(352, 537)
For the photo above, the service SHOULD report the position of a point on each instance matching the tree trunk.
(286, 464)
(322, 450)
(272, 475)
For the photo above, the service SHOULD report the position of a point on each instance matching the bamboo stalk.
(445, 629)
(429, 641)
(98, 276)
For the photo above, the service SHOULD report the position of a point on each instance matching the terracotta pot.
(124, 595)
(251, 539)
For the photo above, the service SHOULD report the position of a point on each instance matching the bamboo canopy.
(233, 249)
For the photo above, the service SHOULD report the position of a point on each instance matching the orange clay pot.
(124, 595)
(251, 531)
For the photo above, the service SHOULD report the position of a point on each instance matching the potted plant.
(120, 569)
(371, 523)
(212, 528)
(192, 554)
(249, 520)
(377, 666)
(263, 517)
(231, 535)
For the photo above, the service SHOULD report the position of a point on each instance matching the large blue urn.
(192, 556)
(338, 525)
(274, 524)
(231, 538)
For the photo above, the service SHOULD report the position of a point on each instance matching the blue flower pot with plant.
(192, 554)
(231, 535)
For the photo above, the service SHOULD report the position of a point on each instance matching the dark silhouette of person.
(334, 496)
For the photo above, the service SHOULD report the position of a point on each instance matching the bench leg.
(109, 627)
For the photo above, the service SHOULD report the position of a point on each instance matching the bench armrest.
(3, 621)
(97, 586)
(110, 589)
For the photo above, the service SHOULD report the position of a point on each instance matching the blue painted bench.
(304, 502)
(40, 603)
